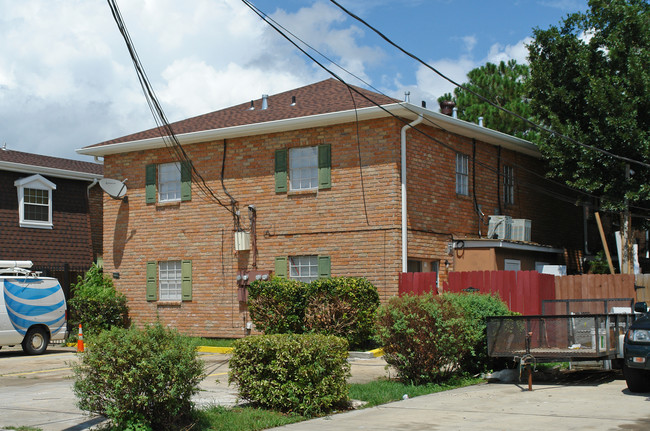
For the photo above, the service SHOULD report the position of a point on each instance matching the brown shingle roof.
(30, 159)
(319, 98)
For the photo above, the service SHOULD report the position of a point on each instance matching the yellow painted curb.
(209, 349)
(377, 352)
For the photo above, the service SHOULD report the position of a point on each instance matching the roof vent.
(480, 121)
(252, 108)
(407, 96)
(265, 101)
(293, 100)
(424, 104)
(447, 107)
(454, 112)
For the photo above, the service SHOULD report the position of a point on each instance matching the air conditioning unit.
(520, 229)
(242, 241)
(499, 227)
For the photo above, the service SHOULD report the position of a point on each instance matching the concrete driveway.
(36, 391)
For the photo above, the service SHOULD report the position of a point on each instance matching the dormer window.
(35, 201)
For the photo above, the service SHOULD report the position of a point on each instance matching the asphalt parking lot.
(36, 392)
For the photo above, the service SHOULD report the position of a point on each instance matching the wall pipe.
(404, 214)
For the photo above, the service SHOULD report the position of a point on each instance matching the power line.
(537, 126)
(163, 126)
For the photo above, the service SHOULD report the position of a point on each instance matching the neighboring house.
(316, 176)
(50, 212)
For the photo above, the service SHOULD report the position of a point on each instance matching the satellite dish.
(114, 188)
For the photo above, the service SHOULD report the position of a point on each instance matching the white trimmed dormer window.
(35, 201)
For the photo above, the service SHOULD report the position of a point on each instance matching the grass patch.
(384, 391)
(213, 342)
(221, 418)
(22, 428)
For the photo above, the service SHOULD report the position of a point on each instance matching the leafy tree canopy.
(504, 85)
(590, 80)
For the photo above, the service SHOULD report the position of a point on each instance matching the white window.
(511, 265)
(508, 185)
(169, 182)
(35, 201)
(303, 168)
(303, 268)
(462, 174)
(169, 279)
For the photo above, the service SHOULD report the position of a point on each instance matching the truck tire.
(637, 380)
(36, 341)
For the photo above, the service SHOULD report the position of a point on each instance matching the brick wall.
(357, 223)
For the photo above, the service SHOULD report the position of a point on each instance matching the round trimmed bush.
(139, 378)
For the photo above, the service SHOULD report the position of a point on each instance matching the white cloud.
(518, 52)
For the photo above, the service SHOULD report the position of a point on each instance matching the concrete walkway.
(605, 405)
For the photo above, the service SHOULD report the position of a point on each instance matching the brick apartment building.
(309, 182)
(50, 213)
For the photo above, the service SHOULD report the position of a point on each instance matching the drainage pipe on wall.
(404, 214)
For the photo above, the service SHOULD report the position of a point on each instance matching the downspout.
(404, 215)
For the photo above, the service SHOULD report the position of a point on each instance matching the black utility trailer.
(558, 338)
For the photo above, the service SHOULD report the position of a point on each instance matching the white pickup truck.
(32, 308)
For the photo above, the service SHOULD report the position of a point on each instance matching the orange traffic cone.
(80, 341)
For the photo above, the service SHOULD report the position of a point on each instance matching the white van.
(32, 308)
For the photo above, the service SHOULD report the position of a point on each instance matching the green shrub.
(277, 306)
(477, 308)
(304, 374)
(342, 306)
(139, 378)
(424, 337)
(96, 304)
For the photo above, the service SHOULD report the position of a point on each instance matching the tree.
(590, 80)
(504, 85)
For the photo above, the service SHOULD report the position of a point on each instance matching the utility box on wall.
(242, 241)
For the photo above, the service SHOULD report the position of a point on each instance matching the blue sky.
(66, 80)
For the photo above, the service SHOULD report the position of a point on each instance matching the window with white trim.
(169, 182)
(462, 174)
(169, 280)
(35, 201)
(508, 185)
(303, 268)
(303, 168)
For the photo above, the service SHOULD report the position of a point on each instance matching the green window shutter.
(280, 171)
(186, 181)
(281, 267)
(150, 184)
(152, 281)
(324, 267)
(324, 166)
(186, 280)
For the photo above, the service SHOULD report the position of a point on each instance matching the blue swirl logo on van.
(34, 304)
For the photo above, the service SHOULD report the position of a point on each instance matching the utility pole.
(627, 266)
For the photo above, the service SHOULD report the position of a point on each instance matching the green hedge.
(424, 337)
(277, 306)
(304, 374)
(96, 304)
(341, 306)
(139, 378)
(477, 308)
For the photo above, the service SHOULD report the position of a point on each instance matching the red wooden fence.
(523, 291)
(417, 283)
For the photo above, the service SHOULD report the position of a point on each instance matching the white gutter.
(404, 212)
(50, 172)
(402, 109)
(496, 243)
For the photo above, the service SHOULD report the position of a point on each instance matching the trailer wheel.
(637, 380)
(36, 341)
